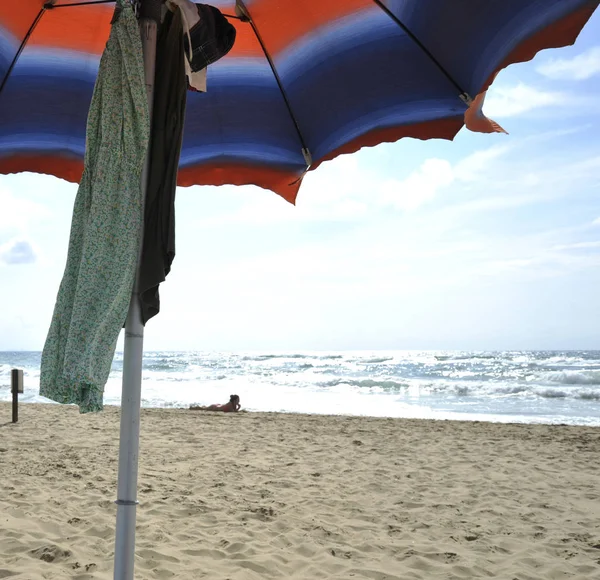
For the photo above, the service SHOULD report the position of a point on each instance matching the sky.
(490, 242)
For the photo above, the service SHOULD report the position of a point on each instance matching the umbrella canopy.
(306, 81)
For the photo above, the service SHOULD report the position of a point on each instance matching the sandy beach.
(252, 496)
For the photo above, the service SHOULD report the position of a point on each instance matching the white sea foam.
(572, 377)
(511, 386)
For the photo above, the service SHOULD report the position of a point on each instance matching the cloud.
(349, 190)
(433, 175)
(474, 165)
(526, 183)
(579, 68)
(17, 252)
(419, 187)
(339, 191)
(550, 253)
(512, 101)
(353, 193)
(16, 213)
(596, 222)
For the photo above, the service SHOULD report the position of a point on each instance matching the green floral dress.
(95, 291)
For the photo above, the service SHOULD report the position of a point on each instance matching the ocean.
(512, 386)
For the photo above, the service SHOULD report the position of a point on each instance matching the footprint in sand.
(50, 553)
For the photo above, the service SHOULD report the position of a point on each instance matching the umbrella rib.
(464, 96)
(246, 17)
(21, 48)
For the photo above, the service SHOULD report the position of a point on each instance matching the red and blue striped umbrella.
(305, 82)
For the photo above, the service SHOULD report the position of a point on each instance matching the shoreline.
(526, 387)
(452, 416)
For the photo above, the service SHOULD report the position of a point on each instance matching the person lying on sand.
(233, 406)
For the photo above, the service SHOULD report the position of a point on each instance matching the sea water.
(511, 386)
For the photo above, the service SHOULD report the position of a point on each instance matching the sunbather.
(233, 406)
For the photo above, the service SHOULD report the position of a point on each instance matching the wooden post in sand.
(16, 388)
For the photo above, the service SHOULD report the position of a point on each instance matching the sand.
(252, 496)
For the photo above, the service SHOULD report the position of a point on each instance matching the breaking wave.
(378, 360)
(567, 377)
(366, 383)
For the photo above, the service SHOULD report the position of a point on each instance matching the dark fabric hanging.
(158, 249)
(212, 37)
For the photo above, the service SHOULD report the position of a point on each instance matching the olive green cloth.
(95, 292)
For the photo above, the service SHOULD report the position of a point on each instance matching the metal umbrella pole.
(149, 19)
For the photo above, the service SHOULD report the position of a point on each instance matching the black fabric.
(212, 38)
(170, 86)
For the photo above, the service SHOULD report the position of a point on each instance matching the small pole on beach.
(16, 388)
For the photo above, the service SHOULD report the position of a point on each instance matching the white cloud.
(338, 191)
(557, 252)
(16, 213)
(17, 252)
(419, 187)
(484, 182)
(596, 222)
(434, 175)
(579, 68)
(512, 101)
(348, 190)
(474, 165)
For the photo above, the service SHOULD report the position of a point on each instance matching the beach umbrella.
(305, 82)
